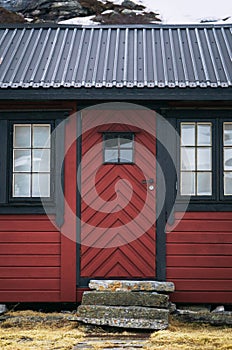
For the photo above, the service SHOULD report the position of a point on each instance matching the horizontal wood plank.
(199, 237)
(213, 297)
(203, 215)
(199, 273)
(199, 261)
(26, 225)
(199, 249)
(29, 237)
(29, 272)
(32, 296)
(30, 284)
(30, 260)
(25, 248)
(207, 225)
(203, 285)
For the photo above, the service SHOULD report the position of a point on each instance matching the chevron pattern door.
(118, 208)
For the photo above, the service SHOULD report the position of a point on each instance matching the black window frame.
(32, 205)
(218, 201)
(31, 199)
(118, 135)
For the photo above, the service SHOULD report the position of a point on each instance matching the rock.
(195, 308)
(127, 12)
(219, 309)
(129, 4)
(10, 17)
(3, 308)
(135, 286)
(125, 317)
(172, 308)
(126, 299)
(220, 318)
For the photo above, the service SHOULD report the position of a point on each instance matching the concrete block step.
(146, 299)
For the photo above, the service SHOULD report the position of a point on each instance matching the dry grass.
(181, 336)
(23, 333)
(55, 332)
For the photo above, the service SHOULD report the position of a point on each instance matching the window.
(118, 147)
(196, 159)
(227, 158)
(31, 160)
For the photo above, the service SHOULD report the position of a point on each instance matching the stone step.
(147, 299)
(125, 317)
(128, 285)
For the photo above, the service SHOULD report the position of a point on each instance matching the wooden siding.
(37, 260)
(30, 254)
(199, 257)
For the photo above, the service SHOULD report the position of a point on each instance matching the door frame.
(160, 223)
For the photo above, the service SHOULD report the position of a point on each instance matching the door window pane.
(126, 156)
(118, 147)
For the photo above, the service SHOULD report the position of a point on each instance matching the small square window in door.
(118, 148)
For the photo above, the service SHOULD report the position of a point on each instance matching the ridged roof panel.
(151, 56)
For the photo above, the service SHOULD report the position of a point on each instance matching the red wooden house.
(135, 181)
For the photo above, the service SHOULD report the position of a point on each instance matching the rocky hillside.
(106, 12)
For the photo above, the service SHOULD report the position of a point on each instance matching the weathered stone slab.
(147, 299)
(135, 286)
(125, 317)
(214, 318)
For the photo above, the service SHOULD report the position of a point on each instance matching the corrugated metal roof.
(104, 56)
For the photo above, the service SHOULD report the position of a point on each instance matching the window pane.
(41, 136)
(188, 183)
(228, 134)
(22, 136)
(21, 185)
(204, 161)
(111, 141)
(41, 160)
(188, 134)
(111, 155)
(40, 185)
(188, 161)
(22, 160)
(227, 158)
(204, 184)
(126, 142)
(126, 156)
(203, 134)
(227, 183)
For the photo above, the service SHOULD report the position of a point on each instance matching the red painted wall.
(199, 257)
(37, 261)
(30, 253)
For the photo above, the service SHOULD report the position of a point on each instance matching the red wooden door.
(118, 200)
